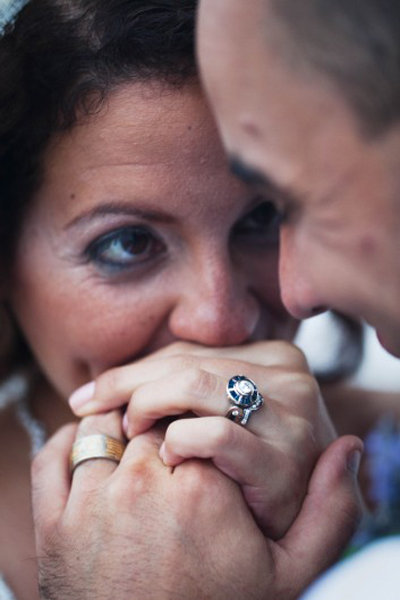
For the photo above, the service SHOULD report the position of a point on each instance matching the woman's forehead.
(148, 145)
(142, 123)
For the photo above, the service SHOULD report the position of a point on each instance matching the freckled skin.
(340, 242)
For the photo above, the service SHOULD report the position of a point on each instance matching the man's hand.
(140, 530)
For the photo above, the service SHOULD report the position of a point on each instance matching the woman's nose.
(297, 289)
(215, 308)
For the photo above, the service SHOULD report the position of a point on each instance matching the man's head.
(307, 96)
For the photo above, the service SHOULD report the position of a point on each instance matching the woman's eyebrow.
(119, 208)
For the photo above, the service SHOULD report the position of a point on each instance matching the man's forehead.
(248, 174)
(232, 11)
(227, 23)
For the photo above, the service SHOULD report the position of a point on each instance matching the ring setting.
(244, 397)
(95, 446)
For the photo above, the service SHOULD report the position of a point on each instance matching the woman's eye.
(124, 248)
(262, 224)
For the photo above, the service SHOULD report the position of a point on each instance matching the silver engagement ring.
(245, 398)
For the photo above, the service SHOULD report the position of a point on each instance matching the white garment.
(5, 592)
(371, 574)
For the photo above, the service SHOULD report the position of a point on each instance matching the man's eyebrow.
(119, 208)
(248, 174)
(257, 179)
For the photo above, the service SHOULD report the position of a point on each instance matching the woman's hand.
(271, 458)
(140, 530)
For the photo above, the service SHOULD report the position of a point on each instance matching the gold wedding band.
(95, 446)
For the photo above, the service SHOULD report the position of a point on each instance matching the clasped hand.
(271, 458)
(141, 530)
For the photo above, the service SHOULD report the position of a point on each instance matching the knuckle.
(89, 424)
(197, 479)
(307, 388)
(223, 433)
(108, 423)
(192, 480)
(118, 492)
(136, 482)
(138, 400)
(107, 382)
(198, 382)
(292, 356)
(182, 362)
(173, 434)
(301, 390)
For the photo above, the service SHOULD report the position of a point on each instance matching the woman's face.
(138, 237)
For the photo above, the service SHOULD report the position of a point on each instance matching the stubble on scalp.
(352, 45)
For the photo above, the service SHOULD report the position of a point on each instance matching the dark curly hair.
(60, 59)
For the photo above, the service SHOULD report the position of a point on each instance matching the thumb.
(330, 514)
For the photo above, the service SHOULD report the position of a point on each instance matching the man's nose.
(216, 308)
(298, 292)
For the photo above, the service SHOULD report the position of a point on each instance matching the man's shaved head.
(307, 99)
(354, 42)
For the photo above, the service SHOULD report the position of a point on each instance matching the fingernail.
(353, 462)
(82, 396)
(125, 425)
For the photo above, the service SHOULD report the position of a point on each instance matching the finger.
(114, 388)
(51, 478)
(233, 449)
(88, 474)
(193, 390)
(272, 482)
(200, 392)
(139, 466)
(264, 353)
(330, 513)
(144, 446)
